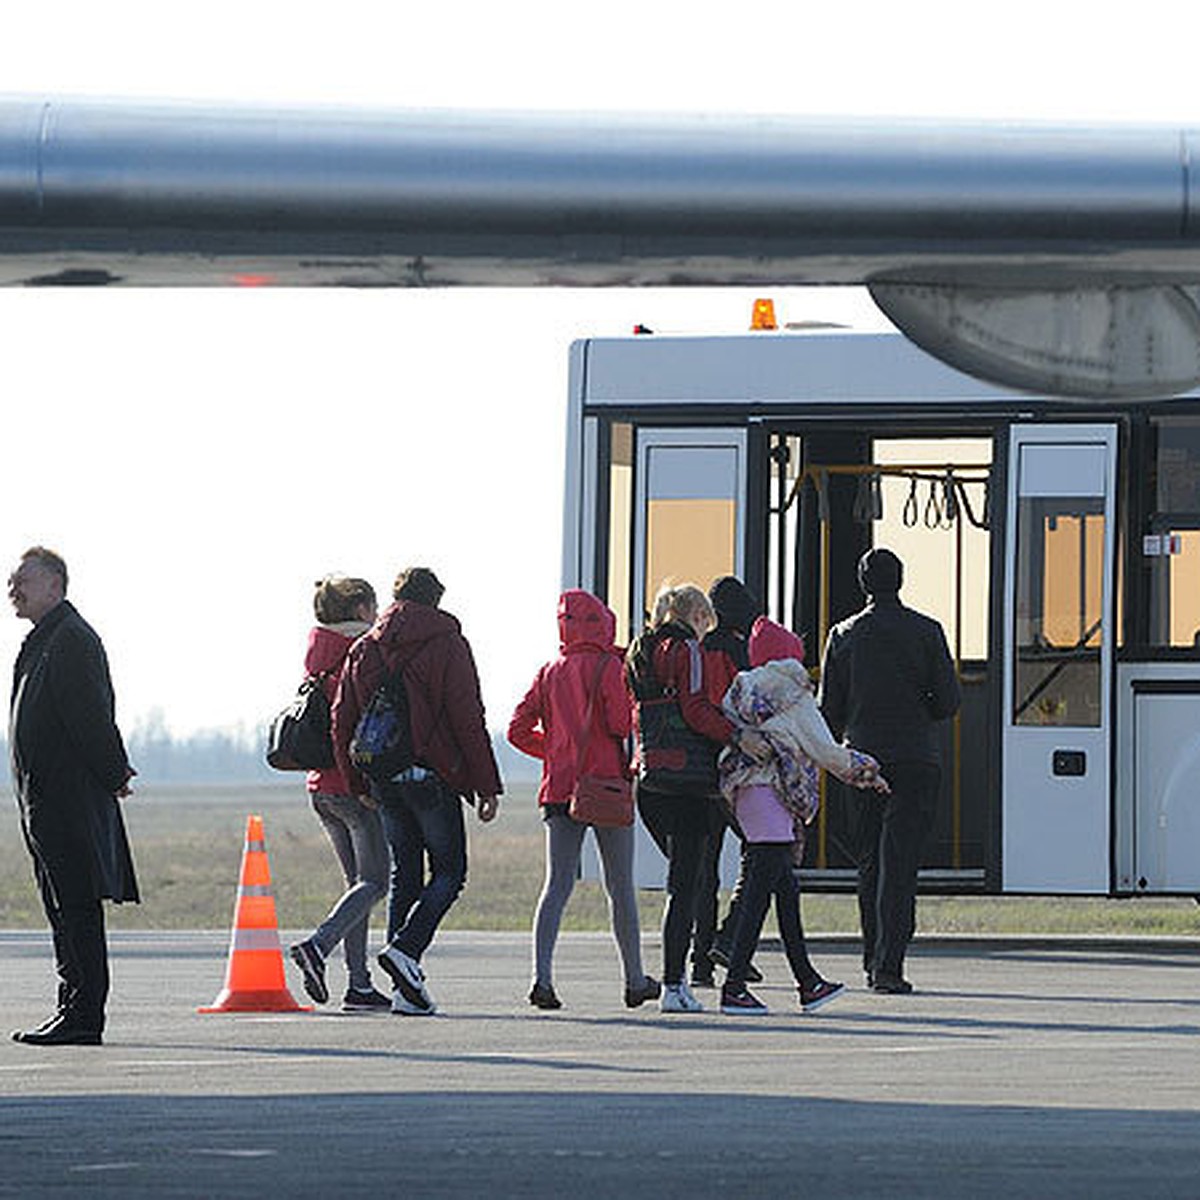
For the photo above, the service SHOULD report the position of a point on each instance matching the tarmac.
(1019, 1068)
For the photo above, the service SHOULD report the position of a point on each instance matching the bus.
(1057, 541)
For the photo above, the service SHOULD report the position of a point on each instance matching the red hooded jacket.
(328, 646)
(448, 729)
(549, 722)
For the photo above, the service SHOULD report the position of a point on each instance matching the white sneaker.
(677, 997)
(403, 1008)
(409, 980)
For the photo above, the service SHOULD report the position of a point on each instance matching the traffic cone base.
(258, 1002)
(254, 980)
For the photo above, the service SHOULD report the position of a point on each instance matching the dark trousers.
(681, 827)
(80, 953)
(704, 931)
(890, 832)
(422, 820)
(723, 938)
(767, 874)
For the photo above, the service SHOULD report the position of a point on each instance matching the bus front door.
(1058, 658)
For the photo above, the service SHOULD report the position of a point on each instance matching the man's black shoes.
(62, 1030)
(892, 985)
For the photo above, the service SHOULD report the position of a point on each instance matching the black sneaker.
(818, 993)
(741, 1002)
(635, 997)
(542, 995)
(370, 1000)
(720, 956)
(312, 966)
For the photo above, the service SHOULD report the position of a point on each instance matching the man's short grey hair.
(48, 560)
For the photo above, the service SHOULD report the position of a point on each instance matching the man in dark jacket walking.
(886, 679)
(69, 769)
(421, 809)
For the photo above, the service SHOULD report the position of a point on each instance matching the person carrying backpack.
(452, 760)
(665, 664)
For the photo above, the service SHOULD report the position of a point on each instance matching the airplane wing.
(1062, 259)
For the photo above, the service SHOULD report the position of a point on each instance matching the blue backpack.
(382, 744)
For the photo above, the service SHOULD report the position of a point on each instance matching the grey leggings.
(564, 842)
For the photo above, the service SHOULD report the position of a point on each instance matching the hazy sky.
(201, 457)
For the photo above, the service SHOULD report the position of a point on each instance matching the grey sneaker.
(678, 998)
(406, 974)
(312, 966)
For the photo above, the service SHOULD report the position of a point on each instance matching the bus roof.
(776, 368)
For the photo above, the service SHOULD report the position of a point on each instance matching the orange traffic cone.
(254, 978)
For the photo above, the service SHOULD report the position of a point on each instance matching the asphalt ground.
(1018, 1069)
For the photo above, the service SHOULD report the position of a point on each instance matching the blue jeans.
(422, 820)
(357, 837)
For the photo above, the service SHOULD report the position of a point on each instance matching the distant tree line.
(235, 756)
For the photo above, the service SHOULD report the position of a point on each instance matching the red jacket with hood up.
(448, 729)
(549, 722)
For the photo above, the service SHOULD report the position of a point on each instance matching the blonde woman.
(666, 660)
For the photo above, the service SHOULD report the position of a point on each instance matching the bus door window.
(1171, 546)
(1060, 590)
(692, 485)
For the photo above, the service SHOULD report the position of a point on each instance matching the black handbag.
(299, 738)
(672, 756)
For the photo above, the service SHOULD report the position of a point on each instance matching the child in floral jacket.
(775, 800)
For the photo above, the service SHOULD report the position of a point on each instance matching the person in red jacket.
(421, 809)
(344, 609)
(551, 723)
(726, 652)
(668, 657)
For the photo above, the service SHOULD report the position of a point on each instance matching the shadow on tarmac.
(583, 1144)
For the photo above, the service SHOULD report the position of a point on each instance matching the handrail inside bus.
(1069, 655)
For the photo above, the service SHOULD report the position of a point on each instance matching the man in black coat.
(69, 769)
(886, 680)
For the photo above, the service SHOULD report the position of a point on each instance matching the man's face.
(33, 590)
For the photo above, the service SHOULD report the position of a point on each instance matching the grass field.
(188, 846)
